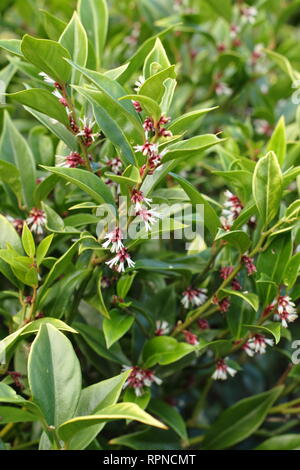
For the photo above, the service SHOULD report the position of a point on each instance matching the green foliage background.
(236, 108)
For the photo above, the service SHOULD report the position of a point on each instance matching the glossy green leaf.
(240, 420)
(183, 123)
(116, 326)
(9, 414)
(54, 375)
(170, 416)
(11, 45)
(117, 124)
(74, 39)
(43, 248)
(147, 104)
(154, 85)
(267, 186)
(10, 174)
(277, 142)
(191, 147)
(114, 412)
(14, 149)
(292, 270)
(42, 101)
(164, 350)
(48, 56)
(282, 442)
(93, 399)
(211, 220)
(9, 235)
(28, 241)
(249, 297)
(237, 238)
(94, 17)
(87, 181)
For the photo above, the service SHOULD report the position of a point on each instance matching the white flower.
(249, 14)
(147, 148)
(193, 296)
(222, 88)
(120, 259)
(139, 82)
(140, 378)
(162, 328)
(47, 79)
(258, 344)
(231, 210)
(36, 220)
(114, 238)
(286, 311)
(222, 370)
(138, 198)
(248, 349)
(148, 216)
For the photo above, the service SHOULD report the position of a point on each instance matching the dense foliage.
(161, 107)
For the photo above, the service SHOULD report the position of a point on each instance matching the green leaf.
(156, 60)
(151, 439)
(142, 400)
(9, 414)
(93, 399)
(47, 56)
(292, 270)
(14, 149)
(249, 297)
(74, 39)
(58, 268)
(267, 187)
(28, 241)
(8, 344)
(273, 261)
(170, 416)
(85, 180)
(240, 420)
(282, 442)
(138, 58)
(94, 17)
(116, 327)
(148, 105)
(56, 128)
(11, 45)
(277, 142)
(96, 341)
(184, 122)
(54, 375)
(9, 235)
(9, 174)
(164, 350)
(284, 64)
(211, 220)
(124, 284)
(43, 248)
(53, 25)
(101, 304)
(119, 126)
(273, 327)
(109, 87)
(237, 238)
(223, 9)
(114, 412)
(191, 147)
(42, 101)
(154, 85)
